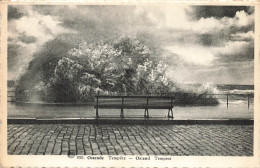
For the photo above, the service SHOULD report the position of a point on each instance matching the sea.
(235, 102)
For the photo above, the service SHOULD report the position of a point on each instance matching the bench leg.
(146, 113)
(170, 116)
(122, 113)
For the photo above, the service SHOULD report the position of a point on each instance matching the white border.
(176, 161)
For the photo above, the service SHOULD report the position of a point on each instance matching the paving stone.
(89, 139)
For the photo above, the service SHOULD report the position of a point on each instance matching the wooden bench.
(134, 102)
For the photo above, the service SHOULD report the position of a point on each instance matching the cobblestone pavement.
(90, 139)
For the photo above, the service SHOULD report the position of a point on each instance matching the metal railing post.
(184, 99)
(147, 107)
(171, 109)
(248, 100)
(122, 108)
(97, 107)
(227, 100)
(146, 113)
(205, 101)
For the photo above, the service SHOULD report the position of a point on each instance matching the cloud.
(212, 39)
(217, 11)
(173, 24)
(243, 18)
(192, 54)
(26, 34)
(212, 25)
(215, 39)
(15, 12)
(248, 36)
(224, 73)
(235, 51)
(43, 28)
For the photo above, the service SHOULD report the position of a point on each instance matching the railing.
(10, 95)
(162, 102)
(187, 97)
(247, 97)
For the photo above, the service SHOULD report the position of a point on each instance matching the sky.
(202, 44)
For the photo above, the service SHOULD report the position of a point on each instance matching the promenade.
(131, 139)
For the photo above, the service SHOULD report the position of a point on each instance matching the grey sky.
(202, 44)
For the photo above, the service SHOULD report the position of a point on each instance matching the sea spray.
(208, 88)
(196, 94)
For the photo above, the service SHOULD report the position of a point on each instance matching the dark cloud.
(246, 54)
(54, 10)
(211, 39)
(226, 34)
(85, 20)
(219, 38)
(14, 13)
(217, 11)
(27, 39)
(240, 38)
(99, 22)
(245, 29)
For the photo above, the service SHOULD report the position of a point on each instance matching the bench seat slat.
(134, 106)
(110, 96)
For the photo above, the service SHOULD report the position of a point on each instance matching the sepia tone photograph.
(130, 80)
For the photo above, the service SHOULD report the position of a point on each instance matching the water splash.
(209, 88)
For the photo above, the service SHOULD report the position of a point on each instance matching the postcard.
(130, 84)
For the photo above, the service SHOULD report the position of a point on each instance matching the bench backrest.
(134, 102)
